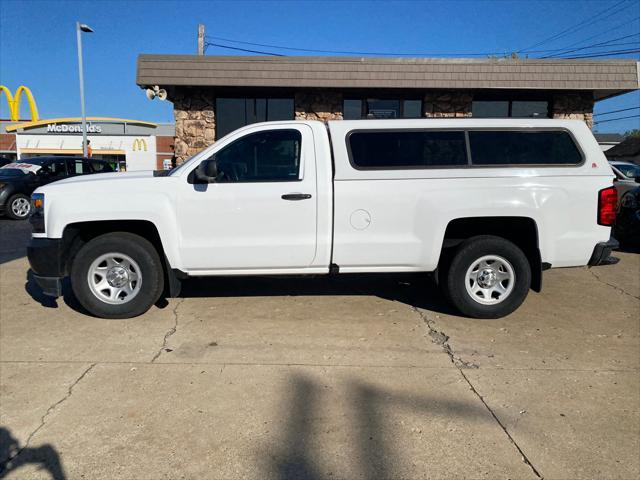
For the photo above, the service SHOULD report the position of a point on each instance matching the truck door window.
(100, 167)
(78, 166)
(83, 167)
(267, 156)
(58, 168)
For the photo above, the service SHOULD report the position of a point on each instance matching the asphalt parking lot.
(348, 377)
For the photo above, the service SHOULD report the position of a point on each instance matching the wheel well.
(75, 235)
(522, 231)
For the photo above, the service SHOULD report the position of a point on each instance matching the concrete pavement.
(356, 377)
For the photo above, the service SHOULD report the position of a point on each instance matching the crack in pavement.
(170, 332)
(612, 286)
(525, 459)
(442, 339)
(43, 419)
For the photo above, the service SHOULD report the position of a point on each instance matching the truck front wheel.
(18, 207)
(488, 277)
(117, 275)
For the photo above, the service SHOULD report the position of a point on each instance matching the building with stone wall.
(213, 95)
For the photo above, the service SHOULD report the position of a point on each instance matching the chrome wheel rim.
(490, 280)
(20, 207)
(114, 278)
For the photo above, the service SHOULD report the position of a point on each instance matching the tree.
(632, 133)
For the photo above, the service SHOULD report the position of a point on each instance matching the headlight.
(37, 213)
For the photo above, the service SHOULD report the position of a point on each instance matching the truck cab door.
(52, 171)
(259, 210)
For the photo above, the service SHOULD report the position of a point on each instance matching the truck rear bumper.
(47, 263)
(602, 253)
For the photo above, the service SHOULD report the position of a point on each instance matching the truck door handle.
(296, 196)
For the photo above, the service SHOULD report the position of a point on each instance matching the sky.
(38, 44)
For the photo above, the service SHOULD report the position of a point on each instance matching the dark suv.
(20, 178)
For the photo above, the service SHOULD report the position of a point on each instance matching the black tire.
(137, 248)
(18, 197)
(467, 254)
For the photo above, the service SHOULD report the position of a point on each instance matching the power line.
(579, 25)
(590, 55)
(604, 32)
(560, 55)
(615, 111)
(347, 52)
(604, 54)
(564, 48)
(561, 51)
(606, 43)
(207, 44)
(615, 119)
(594, 53)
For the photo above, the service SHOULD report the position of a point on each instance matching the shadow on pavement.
(416, 290)
(35, 292)
(14, 236)
(296, 459)
(12, 457)
(294, 456)
(628, 248)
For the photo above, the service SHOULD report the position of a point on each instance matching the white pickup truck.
(486, 204)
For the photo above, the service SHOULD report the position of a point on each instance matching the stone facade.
(573, 106)
(195, 121)
(195, 114)
(318, 105)
(447, 103)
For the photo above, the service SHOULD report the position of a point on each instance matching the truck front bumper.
(602, 253)
(47, 264)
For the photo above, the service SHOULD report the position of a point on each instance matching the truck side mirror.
(206, 172)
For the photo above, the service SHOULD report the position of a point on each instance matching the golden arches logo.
(139, 143)
(14, 102)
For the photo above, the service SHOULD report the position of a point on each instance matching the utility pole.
(200, 39)
(81, 27)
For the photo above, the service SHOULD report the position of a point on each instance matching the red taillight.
(607, 205)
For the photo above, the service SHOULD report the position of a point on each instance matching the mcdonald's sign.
(14, 102)
(139, 143)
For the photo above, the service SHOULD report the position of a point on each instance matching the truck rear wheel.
(117, 275)
(489, 277)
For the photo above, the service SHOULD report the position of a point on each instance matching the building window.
(412, 108)
(233, 113)
(486, 109)
(509, 108)
(352, 110)
(529, 109)
(355, 109)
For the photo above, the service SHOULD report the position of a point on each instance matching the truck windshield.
(629, 171)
